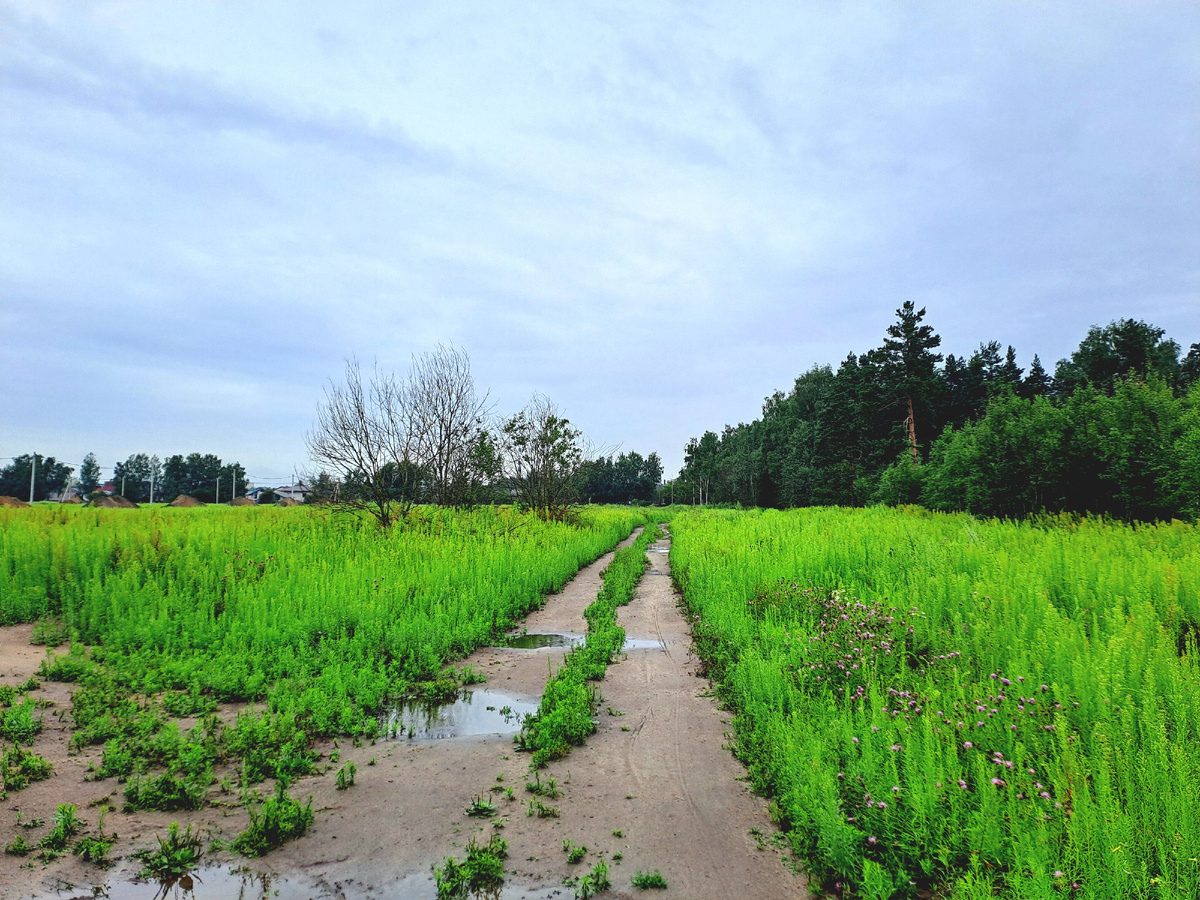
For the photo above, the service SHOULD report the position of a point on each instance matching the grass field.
(939, 703)
(322, 621)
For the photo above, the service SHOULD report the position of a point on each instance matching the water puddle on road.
(218, 883)
(241, 883)
(643, 644)
(473, 713)
(541, 640)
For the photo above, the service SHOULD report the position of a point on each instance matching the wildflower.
(999, 782)
(967, 745)
(895, 748)
(1058, 873)
(872, 840)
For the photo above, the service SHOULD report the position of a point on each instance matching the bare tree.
(391, 442)
(447, 422)
(541, 455)
(364, 436)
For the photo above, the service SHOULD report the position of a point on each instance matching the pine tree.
(908, 363)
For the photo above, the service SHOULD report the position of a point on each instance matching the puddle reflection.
(473, 713)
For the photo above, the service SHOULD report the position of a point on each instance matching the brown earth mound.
(12, 502)
(74, 498)
(114, 502)
(186, 500)
(241, 501)
(288, 501)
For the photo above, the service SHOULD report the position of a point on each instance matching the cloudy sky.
(655, 213)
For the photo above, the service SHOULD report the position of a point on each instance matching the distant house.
(295, 492)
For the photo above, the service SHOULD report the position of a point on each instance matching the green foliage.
(168, 792)
(345, 776)
(481, 807)
(591, 884)
(941, 704)
(575, 852)
(279, 819)
(649, 880)
(481, 872)
(1110, 436)
(177, 854)
(93, 849)
(66, 826)
(19, 768)
(48, 476)
(18, 725)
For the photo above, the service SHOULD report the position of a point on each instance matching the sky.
(654, 213)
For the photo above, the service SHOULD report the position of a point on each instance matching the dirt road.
(658, 772)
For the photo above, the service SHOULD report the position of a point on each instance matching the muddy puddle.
(473, 713)
(642, 644)
(543, 640)
(242, 883)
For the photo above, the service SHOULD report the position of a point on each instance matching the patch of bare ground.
(380, 838)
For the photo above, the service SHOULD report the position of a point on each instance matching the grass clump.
(481, 808)
(541, 810)
(548, 788)
(279, 819)
(482, 870)
(345, 776)
(575, 852)
(19, 768)
(591, 884)
(649, 881)
(177, 854)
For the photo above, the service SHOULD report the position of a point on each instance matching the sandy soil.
(656, 772)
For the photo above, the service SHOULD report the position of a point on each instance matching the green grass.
(564, 717)
(940, 703)
(322, 621)
(649, 881)
(481, 873)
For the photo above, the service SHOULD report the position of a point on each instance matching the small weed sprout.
(575, 852)
(345, 775)
(548, 788)
(481, 808)
(541, 810)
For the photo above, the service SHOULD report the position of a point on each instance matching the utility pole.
(217, 498)
(32, 472)
(122, 485)
(151, 485)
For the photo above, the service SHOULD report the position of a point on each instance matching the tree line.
(200, 475)
(1114, 431)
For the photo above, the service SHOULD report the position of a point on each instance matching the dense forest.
(1114, 431)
